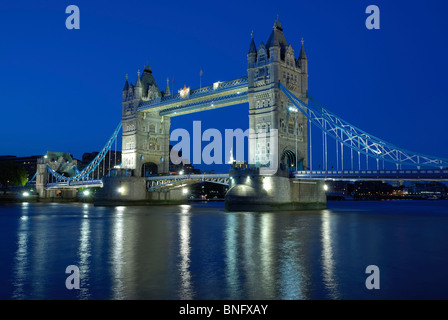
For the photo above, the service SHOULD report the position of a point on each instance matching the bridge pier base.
(132, 191)
(250, 191)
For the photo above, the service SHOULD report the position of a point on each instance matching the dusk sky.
(62, 89)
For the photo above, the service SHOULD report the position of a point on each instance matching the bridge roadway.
(164, 183)
(383, 175)
(75, 184)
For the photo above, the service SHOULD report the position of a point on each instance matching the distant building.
(372, 189)
(339, 190)
(424, 189)
(29, 163)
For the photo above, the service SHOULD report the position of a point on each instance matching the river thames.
(200, 251)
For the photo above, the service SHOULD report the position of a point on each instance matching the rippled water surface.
(200, 251)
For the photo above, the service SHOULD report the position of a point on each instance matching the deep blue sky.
(61, 89)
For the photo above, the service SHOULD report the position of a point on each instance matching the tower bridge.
(147, 110)
(280, 173)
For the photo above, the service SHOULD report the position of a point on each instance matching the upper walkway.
(220, 94)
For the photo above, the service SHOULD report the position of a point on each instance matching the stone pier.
(133, 191)
(250, 191)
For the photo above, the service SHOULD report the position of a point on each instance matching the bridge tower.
(278, 139)
(270, 109)
(145, 137)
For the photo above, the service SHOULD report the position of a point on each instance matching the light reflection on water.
(328, 264)
(186, 290)
(116, 239)
(21, 255)
(84, 253)
(202, 252)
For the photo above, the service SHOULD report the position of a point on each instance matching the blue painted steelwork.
(76, 184)
(215, 102)
(163, 183)
(92, 165)
(158, 183)
(359, 140)
(381, 175)
(240, 83)
(32, 179)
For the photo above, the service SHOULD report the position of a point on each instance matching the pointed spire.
(302, 54)
(277, 24)
(138, 83)
(277, 38)
(147, 68)
(167, 89)
(126, 84)
(252, 48)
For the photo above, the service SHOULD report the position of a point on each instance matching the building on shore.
(29, 163)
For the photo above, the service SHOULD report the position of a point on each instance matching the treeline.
(12, 174)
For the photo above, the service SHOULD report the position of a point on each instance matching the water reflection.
(186, 290)
(249, 251)
(263, 259)
(328, 264)
(84, 253)
(292, 263)
(41, 231)
(194, 252)
(231, 255)
(21, 255)
(267, 253)
(117, 254)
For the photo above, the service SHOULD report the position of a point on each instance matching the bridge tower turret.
(270, 109)
(302, 63)
(145, 138)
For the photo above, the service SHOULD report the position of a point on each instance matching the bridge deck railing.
(360, 174)
(75, 183)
